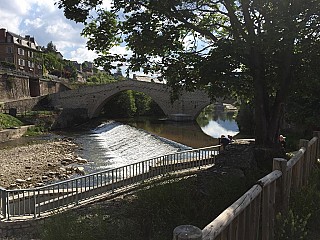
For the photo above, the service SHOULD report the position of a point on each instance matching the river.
(114, 143)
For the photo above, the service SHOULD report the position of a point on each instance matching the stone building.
(22, 52)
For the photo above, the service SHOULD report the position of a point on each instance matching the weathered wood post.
(317, 134)
(187, 232)
(281, 164)
(306, 161)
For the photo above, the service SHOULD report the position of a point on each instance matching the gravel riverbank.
(35, 164)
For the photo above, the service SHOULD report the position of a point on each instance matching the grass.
(150, 214)
(7, 121)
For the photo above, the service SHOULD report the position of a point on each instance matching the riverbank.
(39, 163)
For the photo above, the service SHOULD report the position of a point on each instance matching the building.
(22, 52)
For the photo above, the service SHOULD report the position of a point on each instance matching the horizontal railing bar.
(69, 192)
(109, 170)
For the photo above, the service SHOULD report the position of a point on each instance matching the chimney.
(2, 35)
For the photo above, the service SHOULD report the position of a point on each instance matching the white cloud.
(36, 23)
(82, 54)
(122, 50)
(45, 22)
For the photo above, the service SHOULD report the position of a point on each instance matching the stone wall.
(23, 105)
(8, 134)
(21, 229)
(14, 87)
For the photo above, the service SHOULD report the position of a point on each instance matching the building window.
(30, 54)
(21, 62)
(9, 39)
(20, 51)
(30, 64)
(9, 50)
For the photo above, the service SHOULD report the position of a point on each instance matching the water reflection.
(215, 123)
(186, 133)
(209, 126)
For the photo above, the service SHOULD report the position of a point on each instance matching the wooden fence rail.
(252, 216)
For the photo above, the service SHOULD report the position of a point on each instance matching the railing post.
(4, 202)
(281, 164)
(77, 193)
(317, 134)
(187, 232)
(306, 161)
(35, 204)
(112, 184)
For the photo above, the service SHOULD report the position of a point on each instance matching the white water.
(112, 145)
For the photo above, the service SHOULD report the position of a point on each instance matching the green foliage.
(7, 121)
(9, 65)
(100, 78)
(245, 119)
(130, 104)
(291, 226)
(35, 131)
(256, 50)
(54, 65)
(303, 219)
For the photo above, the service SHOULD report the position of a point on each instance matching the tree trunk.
(267, 115)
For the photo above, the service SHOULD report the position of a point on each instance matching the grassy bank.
(7, 121)
(150, 214)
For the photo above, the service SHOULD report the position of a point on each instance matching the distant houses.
(20, 53)
(23, 54)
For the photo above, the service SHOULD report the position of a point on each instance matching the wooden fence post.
(306, 161)
(317, 134)
(281, 165)
(187, 232)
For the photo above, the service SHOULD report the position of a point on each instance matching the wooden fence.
(252, 216)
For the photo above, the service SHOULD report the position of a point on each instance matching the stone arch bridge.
(87, 102)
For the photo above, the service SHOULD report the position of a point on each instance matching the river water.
(114, 143)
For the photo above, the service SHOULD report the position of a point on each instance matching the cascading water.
(113, 144)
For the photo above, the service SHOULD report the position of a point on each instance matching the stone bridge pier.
(87, 102)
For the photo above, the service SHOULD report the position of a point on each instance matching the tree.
(51, 47)
(249, 48)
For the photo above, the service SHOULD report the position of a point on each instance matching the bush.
(7, 121)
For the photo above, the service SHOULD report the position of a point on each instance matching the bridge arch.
(100, 105)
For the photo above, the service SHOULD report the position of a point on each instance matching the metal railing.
(37, 201)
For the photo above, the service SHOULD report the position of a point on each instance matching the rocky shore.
(36, 164)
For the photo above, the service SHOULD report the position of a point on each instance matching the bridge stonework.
(87, 102)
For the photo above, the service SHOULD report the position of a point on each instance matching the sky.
(45, 22)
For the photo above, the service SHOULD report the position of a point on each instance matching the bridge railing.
(38, 201)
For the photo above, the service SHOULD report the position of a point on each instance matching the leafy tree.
(252, 49)
(100, 78)
(51, 47)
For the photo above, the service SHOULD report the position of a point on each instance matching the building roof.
(26, 41)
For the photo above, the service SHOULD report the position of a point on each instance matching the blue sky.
(45, 22)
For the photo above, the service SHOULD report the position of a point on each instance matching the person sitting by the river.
(224, 141)
(282, 141)
(230, 138)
